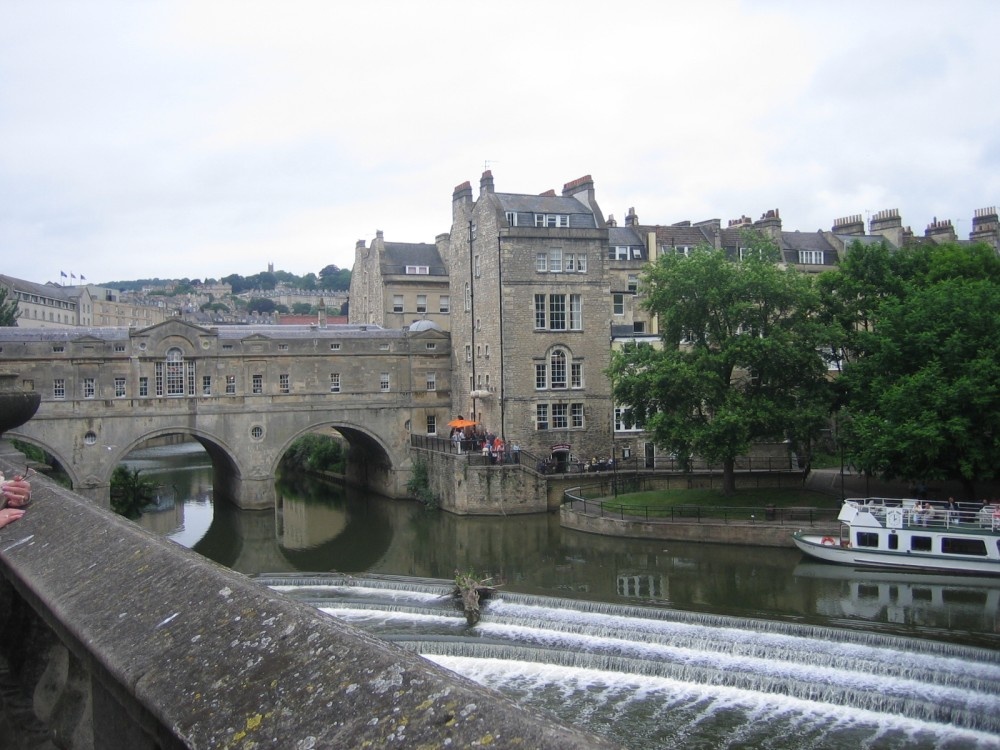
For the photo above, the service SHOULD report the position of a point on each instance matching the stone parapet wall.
(120, 639)
(466, 486)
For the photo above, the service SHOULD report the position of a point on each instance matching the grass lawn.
(747, 498)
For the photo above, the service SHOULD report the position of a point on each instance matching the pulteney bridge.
(244, 392)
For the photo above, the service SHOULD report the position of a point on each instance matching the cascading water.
(654, 677)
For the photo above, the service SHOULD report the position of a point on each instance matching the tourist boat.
(875, 533)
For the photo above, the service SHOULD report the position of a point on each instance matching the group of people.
(16, 495)
(491, 446)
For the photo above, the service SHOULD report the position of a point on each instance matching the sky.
(200, 139)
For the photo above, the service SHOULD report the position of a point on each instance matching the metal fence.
(770, 514)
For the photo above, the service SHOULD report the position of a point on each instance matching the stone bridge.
(244, 392)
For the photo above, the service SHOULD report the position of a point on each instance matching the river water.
(654, 644)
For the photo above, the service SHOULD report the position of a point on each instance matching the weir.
(116, 639)
(654, 675)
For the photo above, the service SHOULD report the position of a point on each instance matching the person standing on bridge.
(16, 496)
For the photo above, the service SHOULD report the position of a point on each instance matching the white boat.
(874, 533)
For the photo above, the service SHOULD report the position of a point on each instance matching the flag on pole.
(72, 275)
(82, 277)
(63, 274)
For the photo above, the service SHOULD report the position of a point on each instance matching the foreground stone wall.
(116, 639)
(466, 485)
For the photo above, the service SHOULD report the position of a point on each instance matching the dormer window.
(418, 270)
(552, 220)
(811, 257)
(512, 218)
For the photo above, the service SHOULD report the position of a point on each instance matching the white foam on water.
(836, 726)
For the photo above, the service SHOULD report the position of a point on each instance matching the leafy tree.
(923, 396)
(130, 492)
(260, 305)
(335, 279)
(740, 360)
(301, 308)
(8, 309)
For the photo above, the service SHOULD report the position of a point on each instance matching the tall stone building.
(531, 322)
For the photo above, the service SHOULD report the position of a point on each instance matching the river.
(655, 644)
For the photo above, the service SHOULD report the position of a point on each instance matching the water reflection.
(320, 528)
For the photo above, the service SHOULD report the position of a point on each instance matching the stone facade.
(530, 320)
(245, 393)
(394, 284)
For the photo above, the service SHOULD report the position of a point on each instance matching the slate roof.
(542, 204)
(399, 255)
(227, 332)
(51, 291)
(624, 237)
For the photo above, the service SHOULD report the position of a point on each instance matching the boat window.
(893, 541)
(867, 539)
(920, 543)
(963, 546)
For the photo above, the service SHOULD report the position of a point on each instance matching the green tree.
(8, 309)
(923, 395)
(301, 308)
(261, 305)
(740, 358)
(130, 492)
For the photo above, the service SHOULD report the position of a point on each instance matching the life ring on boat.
(828, 541)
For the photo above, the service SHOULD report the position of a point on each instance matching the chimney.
(740, 223)
(986, 227)
(940, 231)
(852, 225)
(321, 313)
(631, 220)
(583, 190)
(611, 220)
(769, 224)
(486, 182)
(887, 224)
(462, 193)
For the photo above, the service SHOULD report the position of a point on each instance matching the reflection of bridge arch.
(245, 392)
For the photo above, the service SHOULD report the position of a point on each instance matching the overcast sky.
(200, 139)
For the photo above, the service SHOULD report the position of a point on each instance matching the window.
(540, 377)
(867, 539)
(512, 218)
(479, 351)
(89, 388)
(230, 385)
(633, 283)
(811, 257)
(619, 252)
(555, 261)
(541, 416)
(479, 324)
(557, 363)
(119, 347)
(576, 262)
(559, 412)
(397, 303)
(421, 303)
(444, 304)
(206, 385)
(58, 347)
(174, 373)
(143, 386)
(551, 220)
(282, 347)
(258, 383)
(920, 543)
(227, 347)
(256, 432)
(334, 347)
(283, 384)
(418, 270)
(468, 352)
(624, 422)
(963, 546)
(477, 266)
(468, 297)
(384, 347)
(431, 424)
(541, 262)
(383, 381)
(638, 326)
(334, 382)
(539, 311)
(557, 312)
(119, 386)
(432, 381)
(59, 388)
(487, 351)
(430, 346)
(576, 375)
(576, 415)
(618, 303)
(575, 312)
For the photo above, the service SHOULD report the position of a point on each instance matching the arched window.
(557, 368)
(175, 372)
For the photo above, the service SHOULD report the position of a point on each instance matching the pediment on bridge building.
(255, 337)
(170, 329)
